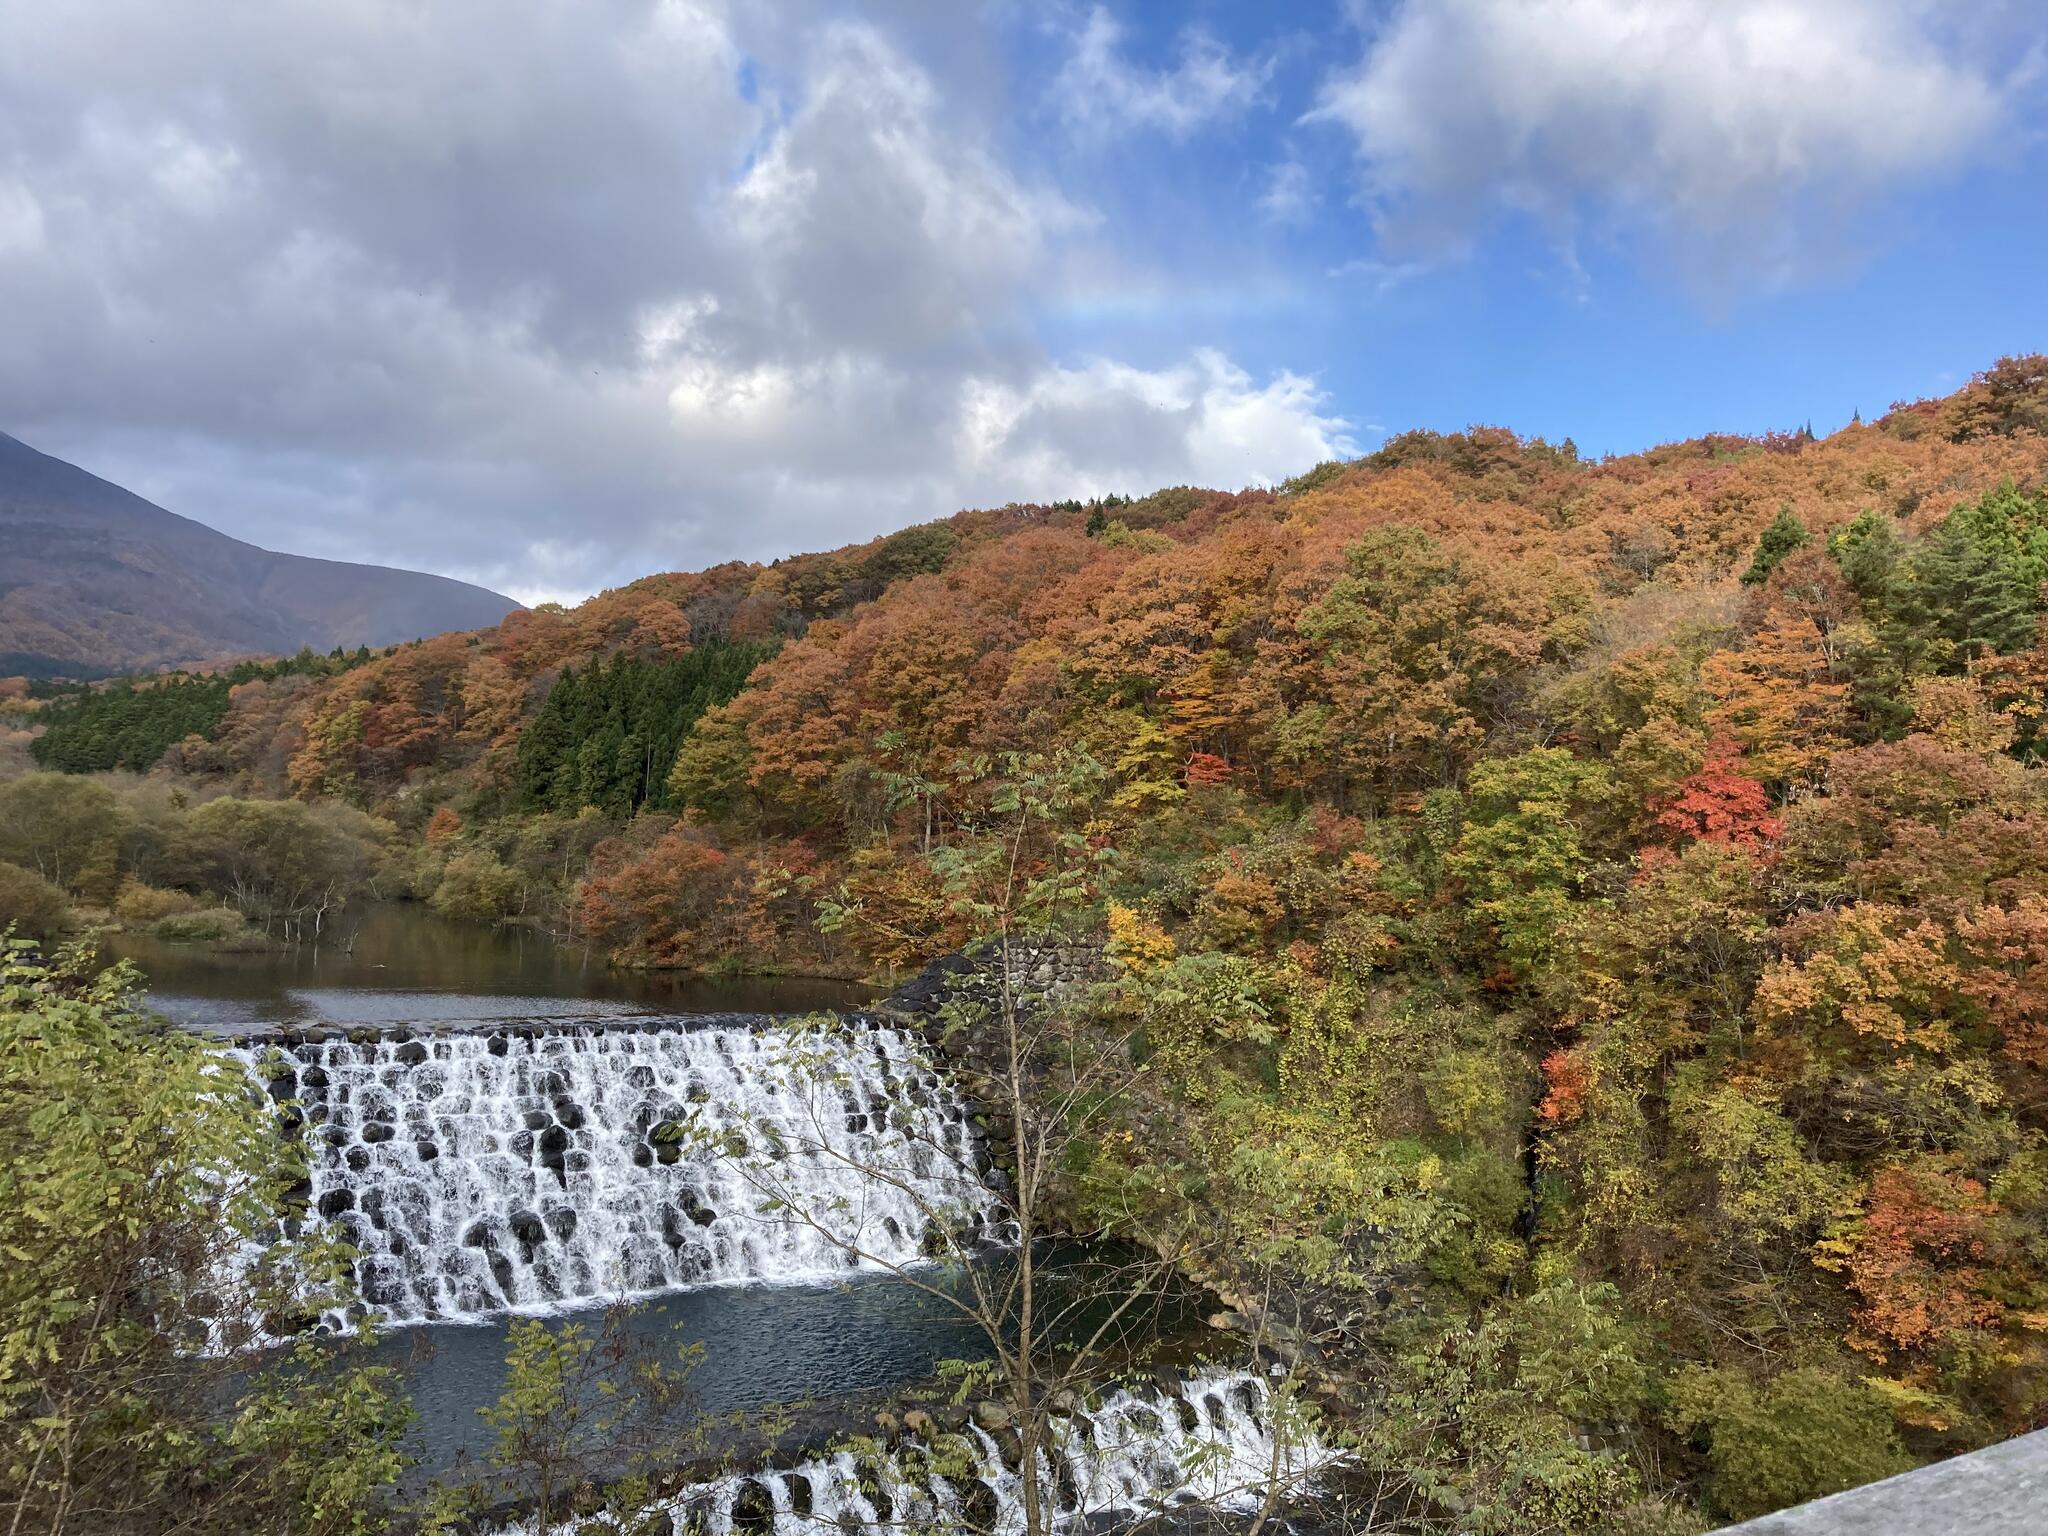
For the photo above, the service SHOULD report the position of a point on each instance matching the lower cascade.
(534, 1168)
(1208, 1440)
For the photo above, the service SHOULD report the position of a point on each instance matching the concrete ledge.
(1999, 1491)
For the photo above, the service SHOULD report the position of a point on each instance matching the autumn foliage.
(1916, 1261)
(1535, 872)
(1720, 804)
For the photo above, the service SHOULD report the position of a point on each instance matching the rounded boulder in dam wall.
(532, 1168)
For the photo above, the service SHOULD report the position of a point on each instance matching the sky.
(554, 293)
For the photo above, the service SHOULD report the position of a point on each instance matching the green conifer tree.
(1785, 535)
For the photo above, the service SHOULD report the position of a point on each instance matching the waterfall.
(531, 1168)
(1207, 1440)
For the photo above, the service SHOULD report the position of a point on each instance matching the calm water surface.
(401, 963)
(762, 1345)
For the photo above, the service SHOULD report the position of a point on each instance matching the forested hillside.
(132, 724)
(1591, 916)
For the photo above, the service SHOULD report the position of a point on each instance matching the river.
(436, 1162)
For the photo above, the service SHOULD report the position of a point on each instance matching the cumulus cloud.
(554, 296)
(1743, 130)
(1100, 92)
(1120, 426)
(869, 221)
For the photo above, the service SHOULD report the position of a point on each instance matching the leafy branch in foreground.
(583, 1425)
(142, 1181)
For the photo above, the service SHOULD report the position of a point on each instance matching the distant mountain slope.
(92, 577)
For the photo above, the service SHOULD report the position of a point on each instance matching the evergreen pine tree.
(1969, 591)
(1870, 553)
(545, 742)
(1785, 534)
(608, 738)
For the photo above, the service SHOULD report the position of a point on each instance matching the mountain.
(95, 579)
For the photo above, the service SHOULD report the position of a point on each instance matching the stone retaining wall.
(1040, 971)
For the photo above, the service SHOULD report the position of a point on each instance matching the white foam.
(1211, 1440)
(523, 1171)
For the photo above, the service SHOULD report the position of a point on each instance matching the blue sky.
(553, 296)
(1598, 332)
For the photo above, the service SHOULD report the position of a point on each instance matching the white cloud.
(1110, 427)
(1290, 195)
(1743, 130)
(552, 297)
(1380, 277)
(1100, 92)
(869, 219)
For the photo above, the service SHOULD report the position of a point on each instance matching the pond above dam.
(400, 963)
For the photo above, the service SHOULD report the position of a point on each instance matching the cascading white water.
(536, 1168)
(1209, 1440)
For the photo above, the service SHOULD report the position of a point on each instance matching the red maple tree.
(1720, 804)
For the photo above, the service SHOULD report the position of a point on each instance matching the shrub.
(129, 1184)
(1802, 1435)
(1490, 1417)
(213, 926)
(35, 907)
(144, 904)
(477, 885)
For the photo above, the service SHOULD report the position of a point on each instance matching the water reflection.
(763, 1345)
(769, 1345)
(401, 963)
